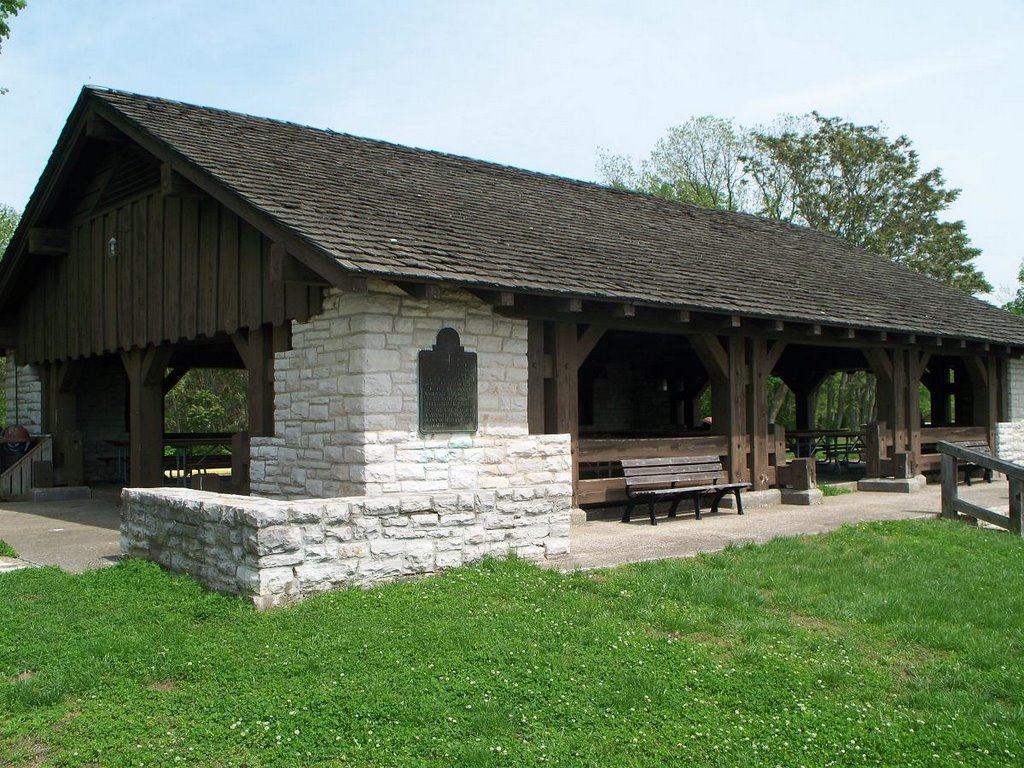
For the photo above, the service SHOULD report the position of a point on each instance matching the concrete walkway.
(75, 535)
(603, 543)
(82, 535)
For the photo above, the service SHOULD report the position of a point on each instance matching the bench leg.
(628, 511)
(718, 500)
(967, 474)
(696, 505)
(675, 506)
(988, 475)
(739, 502)
(650, 504)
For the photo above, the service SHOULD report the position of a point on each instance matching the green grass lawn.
(6, 550)
(896, 644)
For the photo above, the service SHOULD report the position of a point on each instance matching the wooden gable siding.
(184, 268)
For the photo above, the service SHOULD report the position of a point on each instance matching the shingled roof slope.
(390, 210)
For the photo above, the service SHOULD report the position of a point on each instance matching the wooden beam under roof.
(43, 241)
(425, 291)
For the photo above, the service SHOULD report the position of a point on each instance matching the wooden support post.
(145, 369)
(1016, 506)
(256, 348)
(874, 448)
(726, 365)
(757, 413)
(567, 392)
(738, 428)
(947, 465)
(535, 376)
(60, 419)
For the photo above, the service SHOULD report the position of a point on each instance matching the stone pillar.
(24, 387)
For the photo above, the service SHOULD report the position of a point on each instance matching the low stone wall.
(276, 552)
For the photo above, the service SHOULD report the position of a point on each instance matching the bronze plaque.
(448, 396)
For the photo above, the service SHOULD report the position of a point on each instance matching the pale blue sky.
(541, 85)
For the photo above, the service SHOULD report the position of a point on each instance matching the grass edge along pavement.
(6, 550)
(882, 644)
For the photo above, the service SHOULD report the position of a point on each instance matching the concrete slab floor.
(607, 542)
(75, 535)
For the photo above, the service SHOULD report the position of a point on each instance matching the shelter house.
(444, 356)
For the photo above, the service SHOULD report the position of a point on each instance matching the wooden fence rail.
(953, 505)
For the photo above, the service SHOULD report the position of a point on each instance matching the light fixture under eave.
(112, 248)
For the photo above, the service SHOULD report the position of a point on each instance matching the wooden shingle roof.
(383, 209)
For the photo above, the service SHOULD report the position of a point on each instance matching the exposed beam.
(814, 330)
(285, 269)
(99, 129)
(351, 283)
(775, 351)
(47, 242)
(712, 355)
(680, 316)
(173, 184)
(570, 305)
(733, 321)
(777, 325)
(587, 342)
(624, 310)
(425, 291)
(496, 298)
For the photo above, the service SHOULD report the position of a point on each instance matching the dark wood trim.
(48, 242)
(587, 342)
(423, 291)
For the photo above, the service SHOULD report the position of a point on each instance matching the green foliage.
(8, 223)
(820, 172)
(207, 400)
(6, 550)
(833, 490)
(1016, 304)
(8, 9)
(861, 647)
(854, 182)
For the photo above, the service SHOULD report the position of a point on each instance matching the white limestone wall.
(346, 400)
(276, 552)
(1010, 435)
(24, 389)
(1010, 441)
(1015, 379)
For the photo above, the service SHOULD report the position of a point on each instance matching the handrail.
(987, 460)
(953, 506)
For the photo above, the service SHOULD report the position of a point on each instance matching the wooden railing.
(953, 506)
(17, 480)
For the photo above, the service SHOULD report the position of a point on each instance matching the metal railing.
(954, 507)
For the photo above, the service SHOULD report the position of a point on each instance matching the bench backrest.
(672, 472)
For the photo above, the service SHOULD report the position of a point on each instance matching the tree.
(8, 223)
(698, 162)
(1016, 304)
(822, 172)
(854, 182)
(8, 9)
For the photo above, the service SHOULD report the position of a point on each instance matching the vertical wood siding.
(184, 268)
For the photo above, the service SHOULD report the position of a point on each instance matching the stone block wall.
(1010, 441)
(24, 390)
(1015, 399)
(346, 400)
(276, 551)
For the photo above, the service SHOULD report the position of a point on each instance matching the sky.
(543, 85)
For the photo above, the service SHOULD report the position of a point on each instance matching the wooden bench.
(674, 479)
(981, 446)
